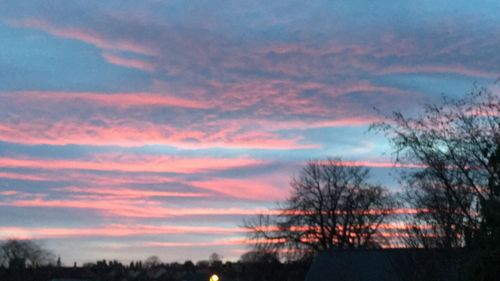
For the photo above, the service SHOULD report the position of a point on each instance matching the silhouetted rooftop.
(385, 265)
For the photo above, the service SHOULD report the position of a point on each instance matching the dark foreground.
(172, 272)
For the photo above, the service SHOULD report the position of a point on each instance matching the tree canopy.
(14, 252)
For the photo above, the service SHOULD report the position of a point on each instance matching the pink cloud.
(18, 176)
(94, 179)
(8, 192)
(128, 62)
(268, 98)
(116, 206)
(159, 164)
(243, 188)
(132, 193)
(256, 129)
(122, 100)
(132, 208)
(131, 133)
(114, 230)
(121, 230)
(87, 36)
(222, 242)
(123, 130)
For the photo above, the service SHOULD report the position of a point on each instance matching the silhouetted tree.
(214, 259)
(203, 264)
(189, 266)
(152, 261)
(20, 253)
(332, 205)
(259, 257)
(455, 186)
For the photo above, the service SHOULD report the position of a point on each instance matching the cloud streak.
(160, 164)
(87, 36)
(128, 62)
(133, 209)
(131, 193)
(115, 230)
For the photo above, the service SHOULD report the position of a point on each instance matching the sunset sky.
(138, 128)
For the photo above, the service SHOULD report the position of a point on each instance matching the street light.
(214, 278)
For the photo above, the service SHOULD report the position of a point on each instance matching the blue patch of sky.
(51, 151)
(48, 217)
(29, 186)
(351, 143)
(434, 85)
(32, 60)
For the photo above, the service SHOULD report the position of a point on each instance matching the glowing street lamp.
(214, 278)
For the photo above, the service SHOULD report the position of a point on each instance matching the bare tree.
(455, 145)
(440, 221)
(24, 253)
(456, 185)
(331, 206)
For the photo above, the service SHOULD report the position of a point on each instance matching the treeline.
(252, 266)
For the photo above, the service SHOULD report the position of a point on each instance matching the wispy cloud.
(128, 62)
(114, 230)
(131, 193)
(91, 37)
(247, 189)
(133, 163)
(121, 100)
(133, 209)
(222, 242)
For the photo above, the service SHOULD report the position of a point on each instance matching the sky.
(138, 128)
